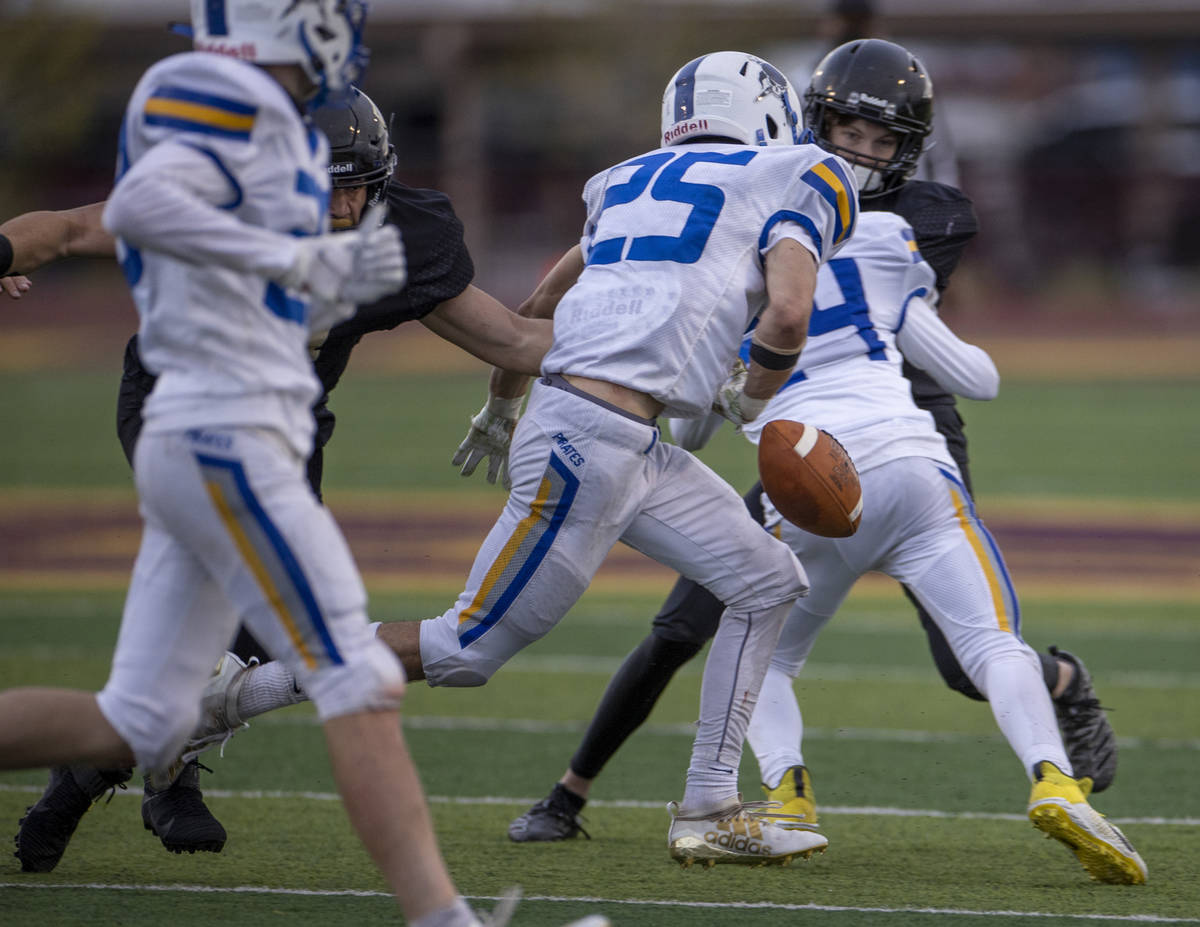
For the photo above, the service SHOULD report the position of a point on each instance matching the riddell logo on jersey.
(246, 50)
(685, 128)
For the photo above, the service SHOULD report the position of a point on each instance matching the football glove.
(490, 435)
(732, 401)
(351, 267)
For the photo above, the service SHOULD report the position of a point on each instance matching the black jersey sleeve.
(439, 264)
(439, 268)
(942, 218)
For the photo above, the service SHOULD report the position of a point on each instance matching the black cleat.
(1089, 738)
(178, 817)
(46, 829)
(555, 817)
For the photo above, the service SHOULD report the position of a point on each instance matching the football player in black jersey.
(439, 293)
(870, 102)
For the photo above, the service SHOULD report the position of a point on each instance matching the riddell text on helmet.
(685, 128)
(245, 50)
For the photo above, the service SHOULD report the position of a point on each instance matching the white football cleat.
(741, 832)
(219, 718)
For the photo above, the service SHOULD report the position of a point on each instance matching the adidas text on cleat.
(178, 816)
(739, 833)
(1089, 738)
(797, 806)
(555, 817)
(46, 829)
(1059, 808)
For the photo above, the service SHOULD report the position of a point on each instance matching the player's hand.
(490, 435)
(379, 264)
(732, 401)
(15, 286)
(355, 267)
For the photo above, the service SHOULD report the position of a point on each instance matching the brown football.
(810, 478)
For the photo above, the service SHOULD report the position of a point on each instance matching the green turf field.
(922, 801)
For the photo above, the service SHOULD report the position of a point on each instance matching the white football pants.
(585, 476)
(919, 526)
(233, 533)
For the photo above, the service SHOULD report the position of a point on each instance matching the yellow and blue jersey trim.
(837, 189)
(522, 554)
(1000, 586)
(911, 239)
(270, 560)
(188, 110)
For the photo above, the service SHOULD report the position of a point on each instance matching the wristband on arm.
(6, 255)
(771, 358)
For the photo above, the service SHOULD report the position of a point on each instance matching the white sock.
(458, 914)
(776, 728)
(733, 674)
(1022, 706)
(267, 687)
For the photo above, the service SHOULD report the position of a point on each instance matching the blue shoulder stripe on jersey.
(175, 107)
(790, 215)
(131, 265)
(214, 15)
(238, 195)
(685, 90)
(308, 185)
(911, 238)
(122, 150)
(277, 300)
(919, 291)
(838, 191)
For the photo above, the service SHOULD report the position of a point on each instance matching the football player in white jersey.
(724, 224)
(221, 211)
(919, 526)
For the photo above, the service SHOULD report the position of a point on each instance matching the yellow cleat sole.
(1102, 862)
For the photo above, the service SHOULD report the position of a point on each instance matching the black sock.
(628, 700)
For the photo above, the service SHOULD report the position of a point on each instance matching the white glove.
(353, 267)
(732, 401)
(491, 433)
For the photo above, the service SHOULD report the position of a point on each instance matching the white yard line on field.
(592, 900)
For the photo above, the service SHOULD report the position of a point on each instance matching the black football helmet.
(360, 152)
(884, 83)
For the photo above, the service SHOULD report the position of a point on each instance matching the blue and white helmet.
(732, 95)
(324, 37)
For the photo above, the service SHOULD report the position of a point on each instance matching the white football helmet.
(324, 37)
(731, 95)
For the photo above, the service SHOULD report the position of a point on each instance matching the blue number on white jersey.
(851, 311)
(705, 199)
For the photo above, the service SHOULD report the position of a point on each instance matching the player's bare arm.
(481, 325)
(43, 236)
(505, 382)
(783, 327)
(492, 427)
(791, 277)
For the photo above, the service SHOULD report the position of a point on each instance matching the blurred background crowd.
(1073, 124)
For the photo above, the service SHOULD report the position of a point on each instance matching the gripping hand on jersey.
(732, 401)
(491, 433)
(355, 267)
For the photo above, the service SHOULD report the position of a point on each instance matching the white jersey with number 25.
(674, 243)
